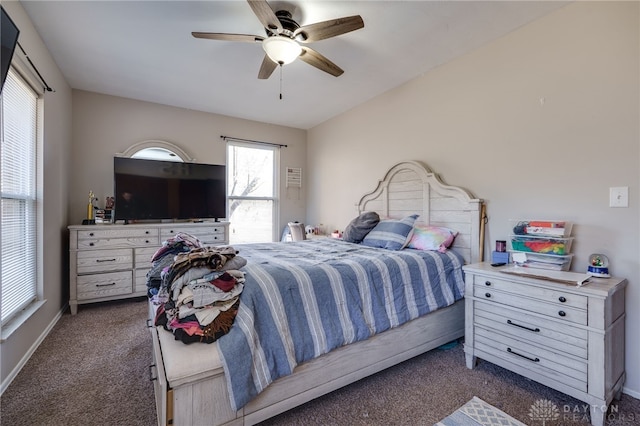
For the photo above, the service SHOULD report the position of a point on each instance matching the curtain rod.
(229, 138)
(46, 86)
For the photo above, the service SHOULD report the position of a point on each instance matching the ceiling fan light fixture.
(282, 50)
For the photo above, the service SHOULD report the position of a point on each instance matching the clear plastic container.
(542, 228)
(541, 244)
(541, 261)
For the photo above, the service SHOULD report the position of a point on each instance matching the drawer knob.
(146, 241)
(91, 244)
(487, 283)
(562, 299)
(562, 313)
(91, 234)
(487, 294)
(146, 232)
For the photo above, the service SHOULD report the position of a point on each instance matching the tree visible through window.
(251, 189)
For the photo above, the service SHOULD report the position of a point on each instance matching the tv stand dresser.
(566, 337)
(110, 262)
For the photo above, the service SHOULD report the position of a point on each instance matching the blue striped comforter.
(303, 299)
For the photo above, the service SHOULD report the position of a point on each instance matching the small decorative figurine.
(90, 208)
(110, 203)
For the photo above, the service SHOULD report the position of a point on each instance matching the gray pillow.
(359, 227)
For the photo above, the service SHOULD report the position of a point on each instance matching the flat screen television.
(8, 40)
(154, 190)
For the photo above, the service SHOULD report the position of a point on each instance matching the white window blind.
(19, 196)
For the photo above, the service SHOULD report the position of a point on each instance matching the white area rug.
(477, 412)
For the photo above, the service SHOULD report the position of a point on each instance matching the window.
(19, 203)
(251, 192)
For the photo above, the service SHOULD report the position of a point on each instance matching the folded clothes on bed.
(198, 296)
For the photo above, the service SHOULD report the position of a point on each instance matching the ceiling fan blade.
(228, 37)
(319, 61)
(328, 29)
(266, 15)
(267, 68)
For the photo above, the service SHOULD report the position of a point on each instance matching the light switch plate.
(619, 196)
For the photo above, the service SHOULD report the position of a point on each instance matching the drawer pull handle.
(105, 285)
(487, 283)
(537, 330)
(511, 351)
(562, 299)
(91, 244)
(146, 241)
(151, 377)
(562, 313)
(105, 260)
(487, 294)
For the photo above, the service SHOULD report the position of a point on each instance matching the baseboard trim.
(7, 381)
(631, 392)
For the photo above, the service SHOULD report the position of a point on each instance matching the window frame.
(20, 316)
(275, 199)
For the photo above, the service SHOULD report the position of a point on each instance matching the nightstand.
(566, 337)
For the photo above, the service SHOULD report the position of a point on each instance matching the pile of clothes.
(197, 288)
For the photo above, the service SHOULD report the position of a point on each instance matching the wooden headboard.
(411, 187)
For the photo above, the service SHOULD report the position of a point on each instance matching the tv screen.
(156, 190)
(8, 40)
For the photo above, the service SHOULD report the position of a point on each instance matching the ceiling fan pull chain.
(280, 81)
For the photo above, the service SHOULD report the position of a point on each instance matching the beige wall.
(539, 124)
(105, 125)
(57, 146)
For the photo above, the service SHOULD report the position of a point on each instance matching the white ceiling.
(144, 50)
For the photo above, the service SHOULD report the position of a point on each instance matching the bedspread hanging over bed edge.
(304, 299)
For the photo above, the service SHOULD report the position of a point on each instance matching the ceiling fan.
(285, 40)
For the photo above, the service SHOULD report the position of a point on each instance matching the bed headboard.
(411, 187)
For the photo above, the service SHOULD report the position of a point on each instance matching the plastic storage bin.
(541, 244)
(542, 228)
(542, 261)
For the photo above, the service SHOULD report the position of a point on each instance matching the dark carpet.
(93, 369)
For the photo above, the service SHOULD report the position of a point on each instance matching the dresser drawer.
(546, 294)
(89, 262)
(206, 234)
(140, 280)
(565, 369)
(556, 335)
(105, 238)
(103, 285)
(143, 257)
(554, 310)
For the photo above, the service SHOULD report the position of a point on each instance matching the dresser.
(110, 262)
(569, 338)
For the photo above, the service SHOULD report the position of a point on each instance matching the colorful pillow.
(432, 238)
(359, 227)
(391, 234)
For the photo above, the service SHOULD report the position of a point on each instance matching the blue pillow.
(391, 234)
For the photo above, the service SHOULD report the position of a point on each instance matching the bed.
(191, 385)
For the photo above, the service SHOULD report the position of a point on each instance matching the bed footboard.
(195, 392)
